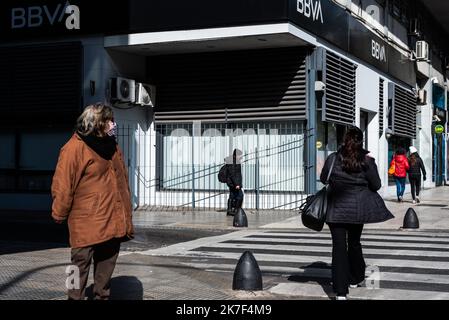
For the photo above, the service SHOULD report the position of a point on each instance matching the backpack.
(222, 174)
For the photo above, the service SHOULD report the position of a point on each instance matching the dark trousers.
(348, 265)
(415, 185)
(235, 200)
(104, 256)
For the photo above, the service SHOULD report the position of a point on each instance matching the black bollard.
(247, 274)
(240, 219)
(411, 220)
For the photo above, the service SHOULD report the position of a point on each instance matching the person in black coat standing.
(414, 173)
(353, 201)
(234, 181)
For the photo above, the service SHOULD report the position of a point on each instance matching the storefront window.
(28, 160)
(272, 161)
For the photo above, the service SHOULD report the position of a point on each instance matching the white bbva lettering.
(378, 51)
(310, 9)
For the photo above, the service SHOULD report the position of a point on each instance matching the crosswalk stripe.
(364, 237)
(324, 273)
(314, 259)
(299, 247)
(328, 243)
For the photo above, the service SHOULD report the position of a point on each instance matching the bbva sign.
(310, 9)
(36, 16)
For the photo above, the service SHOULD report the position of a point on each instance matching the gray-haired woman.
(90, 190)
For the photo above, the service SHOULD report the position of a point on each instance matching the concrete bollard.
(247, 274)
(410, 220)
(240, 219)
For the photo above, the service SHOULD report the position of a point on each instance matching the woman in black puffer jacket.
(234, 181)
(414, 173)
(353, 201)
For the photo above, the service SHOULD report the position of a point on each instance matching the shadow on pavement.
(309, 275)
(122, 288)
(24, 231)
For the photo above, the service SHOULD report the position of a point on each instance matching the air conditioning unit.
(422, 50)
(122, 90)
(145, 94)
(422, 97)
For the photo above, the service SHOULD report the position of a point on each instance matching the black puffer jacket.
(233, 172)
(353, 197)
(415, 170)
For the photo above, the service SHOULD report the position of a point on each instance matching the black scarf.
(105, 146)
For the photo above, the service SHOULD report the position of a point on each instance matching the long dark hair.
(400, 151)
(352, 152)
(413, 159)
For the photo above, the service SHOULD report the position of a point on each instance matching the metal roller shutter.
(231, 86)
(40, 84)
(381, 107)
(403, 102)
(340, 80)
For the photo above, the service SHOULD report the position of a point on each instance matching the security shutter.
(40, 84)
(381, 107)
(339, 77)
(403, 102)
(230, 86)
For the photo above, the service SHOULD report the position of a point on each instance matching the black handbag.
(313, 210)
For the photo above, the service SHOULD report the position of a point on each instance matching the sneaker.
(341, 298)
(400, 199)
(414, 201)
(358, 285)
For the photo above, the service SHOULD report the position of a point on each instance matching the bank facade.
(279, 80)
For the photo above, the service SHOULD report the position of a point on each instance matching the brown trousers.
(104, 257)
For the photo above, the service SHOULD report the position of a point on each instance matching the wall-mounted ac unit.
(145, 94)
(422, 50)
(122, 90)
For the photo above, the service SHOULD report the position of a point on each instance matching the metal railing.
(175, 166)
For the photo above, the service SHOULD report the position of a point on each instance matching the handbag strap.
(331, 168)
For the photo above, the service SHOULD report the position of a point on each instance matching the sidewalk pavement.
(40, 274)
(432, 212)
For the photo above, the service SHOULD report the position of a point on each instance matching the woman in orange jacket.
(401, 167)
(90, 190)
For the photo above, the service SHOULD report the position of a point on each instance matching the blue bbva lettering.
(35, 16)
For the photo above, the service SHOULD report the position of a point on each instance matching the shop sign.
(439, 129)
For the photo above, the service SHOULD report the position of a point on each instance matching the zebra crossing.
(400, 264)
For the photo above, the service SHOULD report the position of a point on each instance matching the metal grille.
(41, 83)
(381, 107)
(340, 80)
(404, 112)
(231, 86)
(171, 168)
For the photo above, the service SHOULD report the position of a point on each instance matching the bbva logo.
(36, 16)
(310, 9)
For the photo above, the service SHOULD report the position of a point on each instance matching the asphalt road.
(32, 231)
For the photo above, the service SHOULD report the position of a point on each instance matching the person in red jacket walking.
(401, 167)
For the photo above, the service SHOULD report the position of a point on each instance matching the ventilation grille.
(41, 83)
(340, 90)
(231, 86)
(404, 112)
(381, 107)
